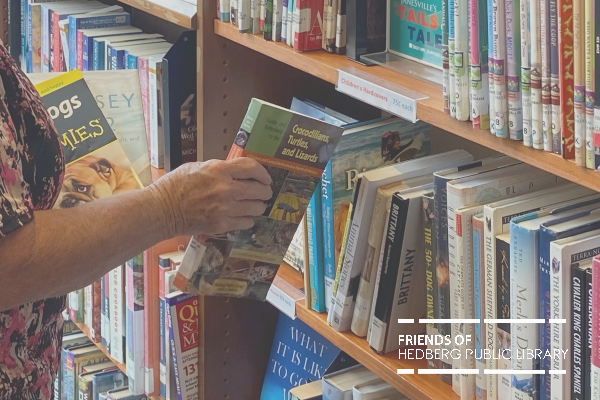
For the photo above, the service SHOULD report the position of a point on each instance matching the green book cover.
(294, 149)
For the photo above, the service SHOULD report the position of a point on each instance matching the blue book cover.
(24, 19)
(90, 22)
(581, 222)
(315, 252)
(298, 355)
(328, 247)
(130, 61)
(99, 54)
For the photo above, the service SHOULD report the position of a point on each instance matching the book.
(579, 81)
(182, 314)
(461, 61)
(363, 147)
(365, 28)
(75, 359)
(134, 273)
(315, 252)
(108, 380)
(579, 337)
(68, 340)
(566, 89)
(595, 331)
(293, 341)
(402, 278)
(87, 39)
(513, 70)
(86, 387)
(364, 297)
(100, 44)
(309, 391)
(329, 25)
(339, 385)
(414, 40)
(536, 76)
(356, 249)
(503, 331)
(479, 303)
(525, 25)
(340, 28)
(376, 389)
(295, 149)
(117, 309)
(588, 35)
(295, 253)
(563, 253)
(124, 394)
(555, 82)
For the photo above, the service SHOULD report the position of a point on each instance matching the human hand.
(213, 197)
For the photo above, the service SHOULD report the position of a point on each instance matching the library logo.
(461, 347)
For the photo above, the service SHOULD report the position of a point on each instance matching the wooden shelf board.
(178, 12)
(83, 327)
(415, 387)
(325, 66)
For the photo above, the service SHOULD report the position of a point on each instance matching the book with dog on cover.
(294, 149)
(96, 164)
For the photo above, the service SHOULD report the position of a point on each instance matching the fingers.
(248, 208)
(247, 168)
(236, 223)
(250, 190)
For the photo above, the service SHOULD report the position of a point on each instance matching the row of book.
(61, 36)
(525, 70)
(303, 25)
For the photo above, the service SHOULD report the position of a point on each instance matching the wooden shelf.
(325, 66)
(83, 327)
(415, 387)
(178, 12)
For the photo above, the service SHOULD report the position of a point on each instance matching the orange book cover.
(151, 312)
(566, 67)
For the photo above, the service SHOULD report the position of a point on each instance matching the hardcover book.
(294, 149)
(295, 345)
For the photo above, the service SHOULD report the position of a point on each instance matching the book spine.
(490, 305)
(330, 23)
(461, 60)
(544, 298)
(579, 332)
(596, 143)
(45, 39)
(565, 62)
(55, 43)
(85, 53)
(479, 65)
(364, 298)
(595, 332)
(284, 21)
(589, 327)
(102, 312)
(491, 65)
(87, 313)
(523, 305)
(500, 104)
(503, 333)
(268, 26)
(315, 253)
(277, 19)
(513, 69)
(340, 28)
(23, 25)
(526, 70)
(117, 320)
(135, 325)
(579, 82)
(76, 305)
(392, 255)
(479, 306)
(106, 313)
(244, 16)
(85, 389)
(589, 82)
(442, 310)
(29, 58)
(461, 284)
(233, 11)
(555, 86)
(72, 43)
(156, 144)
(328, 232)
(262, 14)
(536, 76)
(451, 67)
(431, 282)
(225, 9)
(445, 60)
(69, 386)
(96, 325)
(560, 301)
(163, 326)
(546, 80)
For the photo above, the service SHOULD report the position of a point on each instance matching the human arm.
(65, 249)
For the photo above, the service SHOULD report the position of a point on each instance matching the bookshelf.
(179, 12)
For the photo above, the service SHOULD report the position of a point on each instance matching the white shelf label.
(283, 301)
(379, 93)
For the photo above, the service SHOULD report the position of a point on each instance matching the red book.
(566, 67)
(151, 311)
(79, 50)
(55, 44)
(309, 35)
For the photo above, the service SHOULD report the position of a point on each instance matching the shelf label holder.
(379, 93)
(284, 296)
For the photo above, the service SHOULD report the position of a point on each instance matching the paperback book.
(294, 149)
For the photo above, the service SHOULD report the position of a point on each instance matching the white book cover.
(375, 390)
(483, 188)
(89, 306)
(117, 317)
(378, 275)
(156, 145)
(563, 253)
(364, 298)
(356, 243)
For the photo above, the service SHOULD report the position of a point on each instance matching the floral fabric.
(31, 171)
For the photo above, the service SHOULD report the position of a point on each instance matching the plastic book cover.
(298, 355)
(294, 149)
